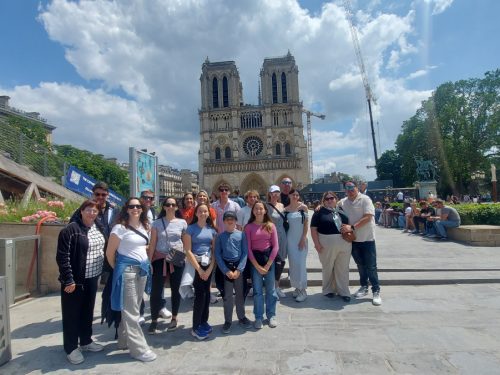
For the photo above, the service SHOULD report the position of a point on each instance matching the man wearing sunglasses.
(361, 212)
(147, 198)
(107, 213)
(224, 204)
(285, 187)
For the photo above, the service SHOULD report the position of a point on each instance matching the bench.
(476, 235)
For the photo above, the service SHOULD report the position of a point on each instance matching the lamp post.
(494, 182)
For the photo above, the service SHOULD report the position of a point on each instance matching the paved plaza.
(440, 315)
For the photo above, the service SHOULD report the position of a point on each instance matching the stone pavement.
(419, 329)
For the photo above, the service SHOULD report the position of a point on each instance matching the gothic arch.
(254, 182)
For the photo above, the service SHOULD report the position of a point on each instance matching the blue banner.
(82, 183)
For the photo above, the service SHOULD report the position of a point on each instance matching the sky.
(115, 74)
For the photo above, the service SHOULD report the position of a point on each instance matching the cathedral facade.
(251, 146)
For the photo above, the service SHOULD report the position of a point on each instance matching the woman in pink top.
(262, 250)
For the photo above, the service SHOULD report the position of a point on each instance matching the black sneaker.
(152, 329)
(226, 328)
(346, 299)
(245, 323)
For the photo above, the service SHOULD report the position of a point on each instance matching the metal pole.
(373, 131)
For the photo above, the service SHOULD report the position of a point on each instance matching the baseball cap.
(229, 215)
(274, 188)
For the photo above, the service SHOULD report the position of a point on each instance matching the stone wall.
(476, 235)
(49, 271)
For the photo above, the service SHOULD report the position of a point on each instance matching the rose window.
(253, 146)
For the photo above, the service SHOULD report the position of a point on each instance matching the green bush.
(475, 214)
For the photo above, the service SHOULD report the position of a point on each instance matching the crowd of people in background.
(429, 218)
(240, 244)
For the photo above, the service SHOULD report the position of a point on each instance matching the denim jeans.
(441, 225)
(259, 282)
(365, 256)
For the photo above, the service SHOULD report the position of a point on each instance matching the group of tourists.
(429, 218)
(243, 248)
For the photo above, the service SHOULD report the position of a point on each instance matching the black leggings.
(279, 266)
(201, 298)
(158, 282)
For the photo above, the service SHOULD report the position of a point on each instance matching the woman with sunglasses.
(262, 250)
(127, 254)
(80, 257)
(334, 253)
(199, 241)
(186, 212)
(297, 245)
(166, 235)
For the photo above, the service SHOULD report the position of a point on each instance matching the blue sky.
(101, 64)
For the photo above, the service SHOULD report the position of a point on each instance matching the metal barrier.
(15, 258)
(5, 349)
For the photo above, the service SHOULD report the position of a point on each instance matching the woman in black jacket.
(80, 256)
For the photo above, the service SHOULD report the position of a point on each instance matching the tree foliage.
(458, 127)
(389, 168)
(97, 167)
(31, 129)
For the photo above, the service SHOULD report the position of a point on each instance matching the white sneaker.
(92, 347)
(362, 291)
(141, 320)
(165, 314)
(377, 300)
(147, 356)
(302, 296)
(280, 293)
(273, 322)
(75, 357)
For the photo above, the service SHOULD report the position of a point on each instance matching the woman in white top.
(127, 254)
(166, 236)
(297, 245)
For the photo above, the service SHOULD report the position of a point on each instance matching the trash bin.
(5, 349)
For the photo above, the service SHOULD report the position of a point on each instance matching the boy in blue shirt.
(231, 255)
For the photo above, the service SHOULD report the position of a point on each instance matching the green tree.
(459, 127)
(31, 129)
(389, 168)
(97, 167)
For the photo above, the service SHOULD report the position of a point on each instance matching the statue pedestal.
(425, 187)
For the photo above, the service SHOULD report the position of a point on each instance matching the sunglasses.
(329, 198)
(286, 182)
(100, 194)
(132, 206)
(147, 198)
(169, 205)
(222, 190)
(350, 187)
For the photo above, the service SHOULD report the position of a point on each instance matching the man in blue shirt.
(231, 255)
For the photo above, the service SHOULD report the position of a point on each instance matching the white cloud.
(439, 5)
(153, 51)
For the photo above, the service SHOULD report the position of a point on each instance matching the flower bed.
(56, 211)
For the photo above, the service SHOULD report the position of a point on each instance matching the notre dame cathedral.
(251, 146)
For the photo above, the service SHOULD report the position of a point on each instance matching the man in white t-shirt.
(361, 212)
(243, 215)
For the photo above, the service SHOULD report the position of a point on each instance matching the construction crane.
(368, 91)
(309, 140)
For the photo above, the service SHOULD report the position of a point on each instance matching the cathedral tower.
(248, 146)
